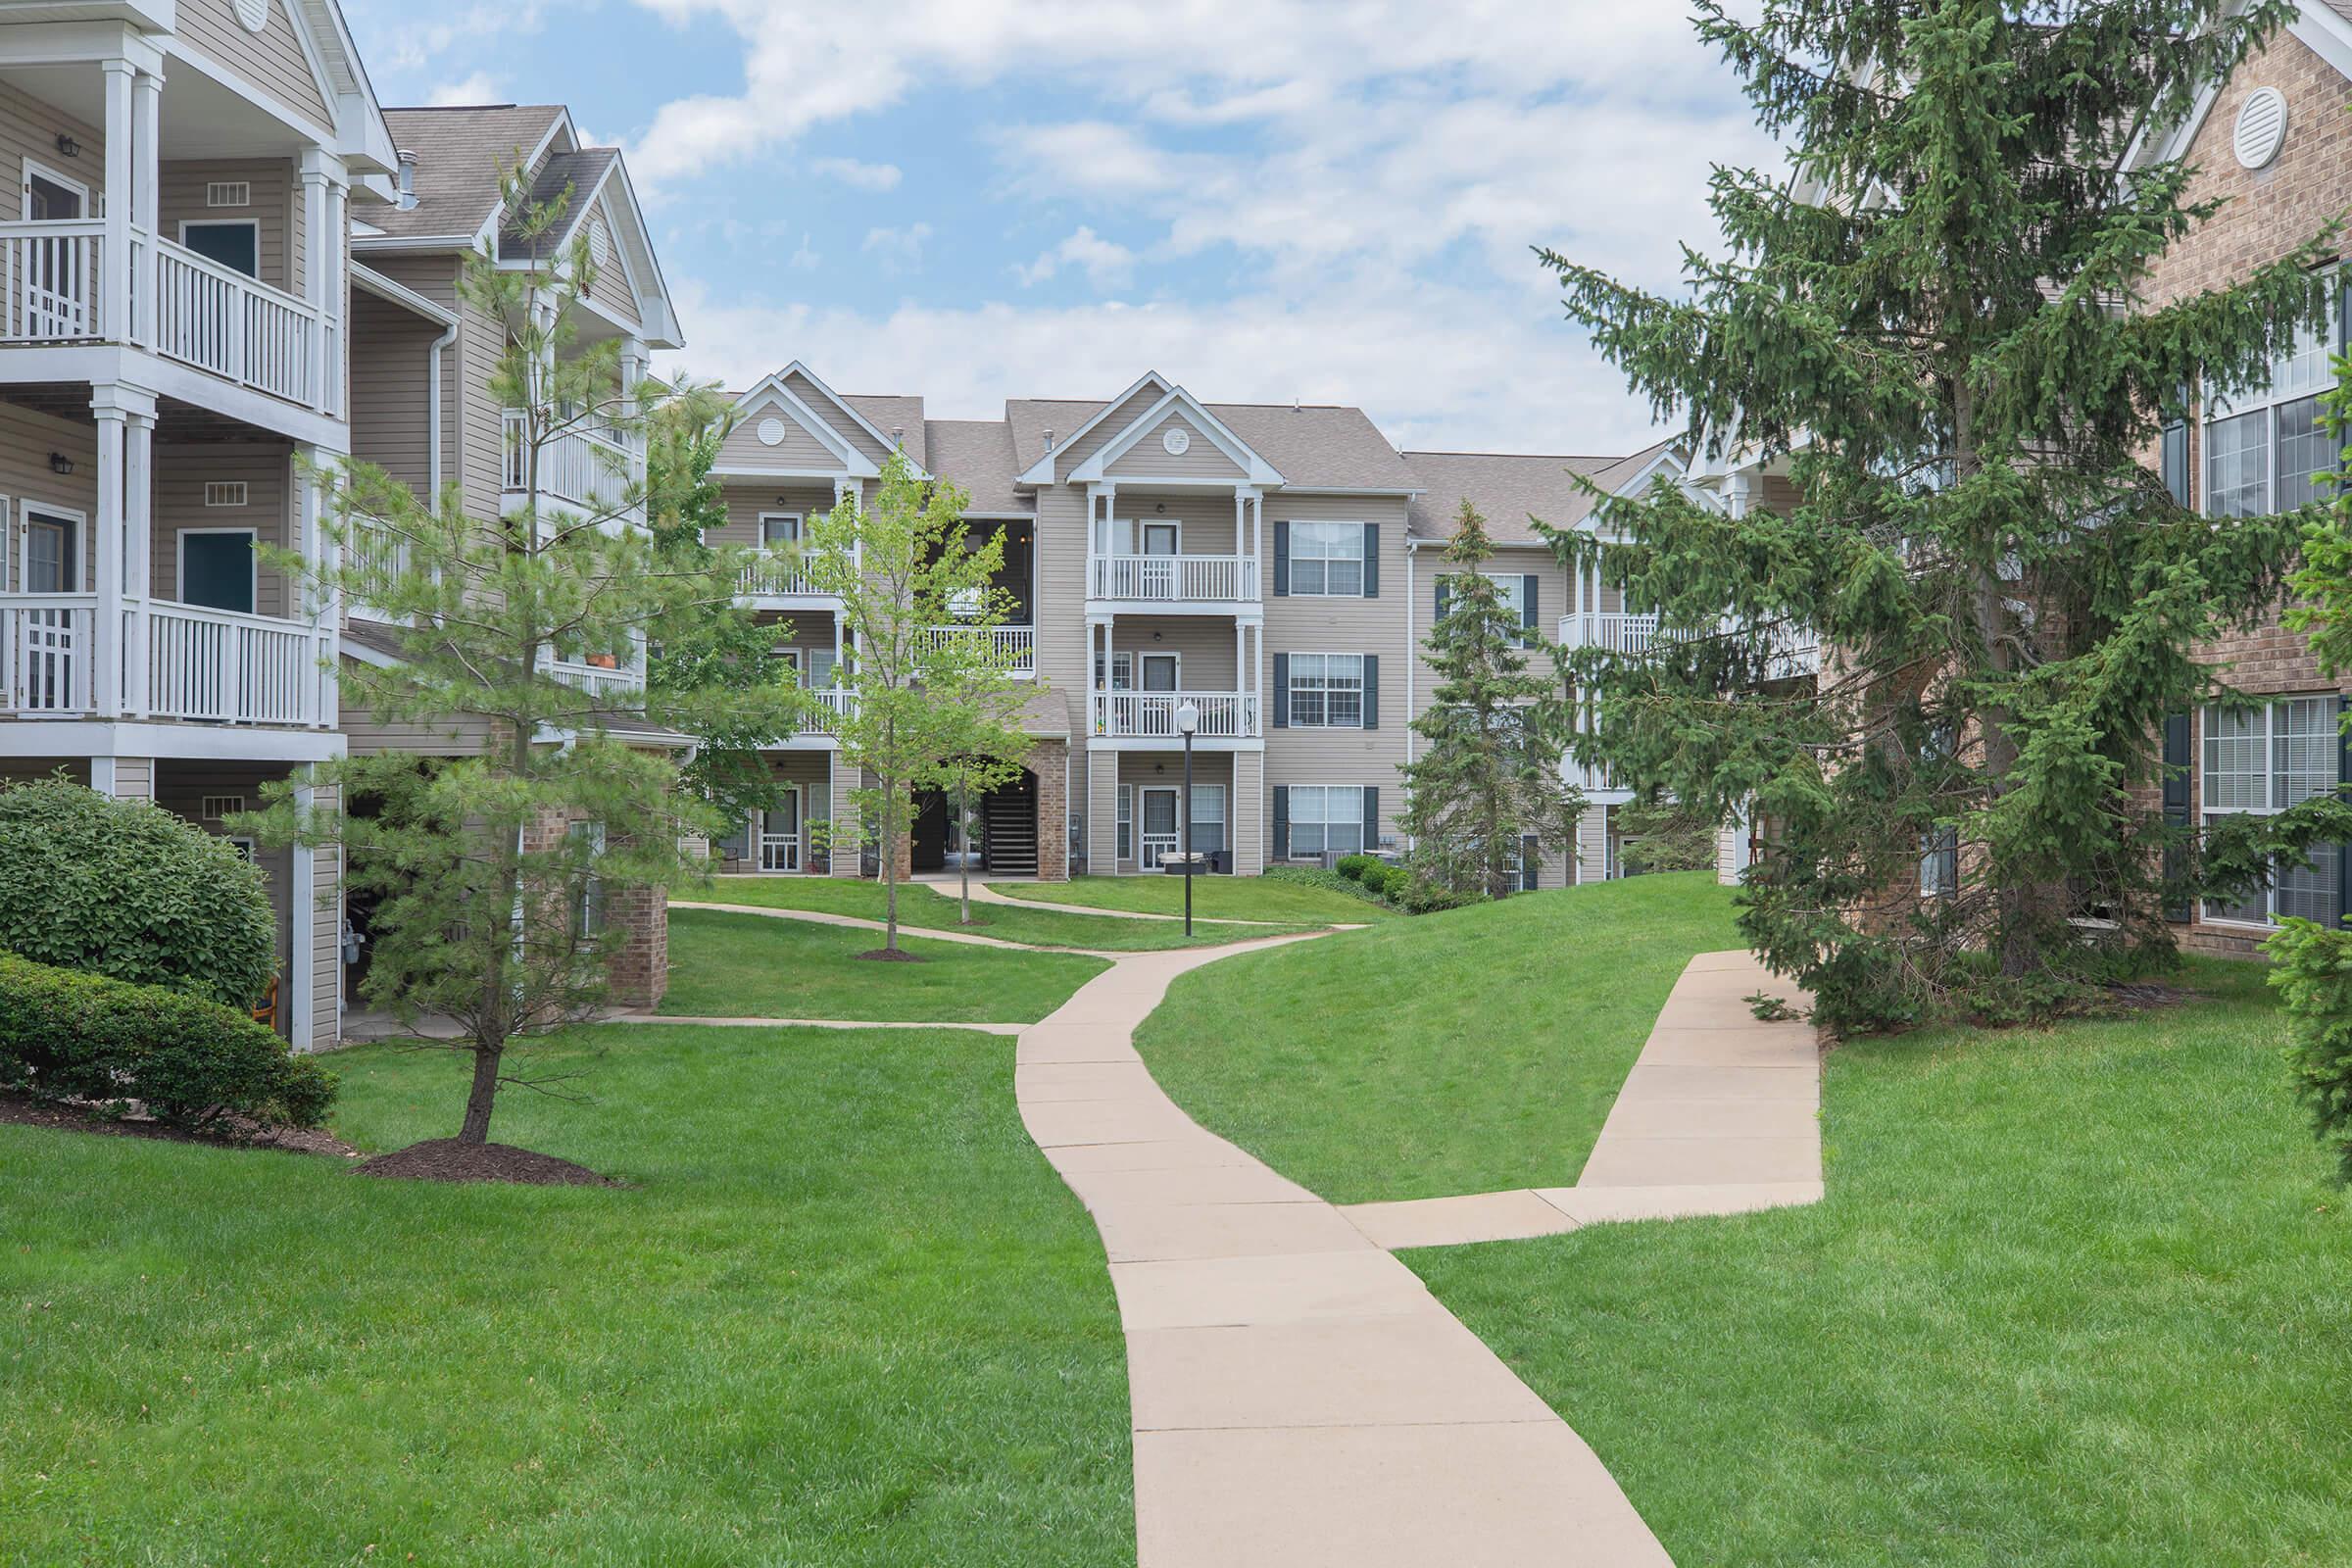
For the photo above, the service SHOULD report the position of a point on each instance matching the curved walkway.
(907, 933)
(813, 1023)
(1721, 1114)
(982, 893)
(1298, 1398)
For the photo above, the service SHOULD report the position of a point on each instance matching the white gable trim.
(852, 460)
(796, 368)
(485, 237)
(2316, 27)
(1177, 399)
(1041, 471)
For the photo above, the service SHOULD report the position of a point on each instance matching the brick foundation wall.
(1050, 761)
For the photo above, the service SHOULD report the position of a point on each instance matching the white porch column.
(315, 280)
(1735, 491)
(315, 953)
(321, 608)
(112, 530)
(146, 127)
(114, 263)
(138, 556)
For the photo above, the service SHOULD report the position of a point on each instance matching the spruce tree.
(1488, 783)
(1938, 323)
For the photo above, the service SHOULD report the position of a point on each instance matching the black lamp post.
(1187, 719)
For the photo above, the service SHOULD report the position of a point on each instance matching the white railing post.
(107, 560)
(114, 257)
(146, 135)
(139, 551)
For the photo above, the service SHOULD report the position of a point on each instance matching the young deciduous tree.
(1939, 326)
(929, 684)
(1488, 784)
(519, 636)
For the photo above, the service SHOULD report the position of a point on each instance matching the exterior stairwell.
(1008, 826)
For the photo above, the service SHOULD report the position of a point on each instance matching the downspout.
(1412, 597)
(433, 416)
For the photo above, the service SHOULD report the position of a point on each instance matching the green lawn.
(1457, 1053)
(2078, 1298)
(750, 966)
(846, 1315)
(919, 906)
(1227, 898)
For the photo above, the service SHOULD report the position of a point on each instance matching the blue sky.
(1261, 199)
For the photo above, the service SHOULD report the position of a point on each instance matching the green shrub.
(1316, 877)
(2312, 967)
(1353, 866)
(1380, 876)
(125, 889)
(1418, 895)
(65, 1035)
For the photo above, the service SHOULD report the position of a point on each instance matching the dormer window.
(408, 180)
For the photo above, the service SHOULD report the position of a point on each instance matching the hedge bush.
(1353, 866)
(1314, 876)
(125, 889)
(65, 1035)
(1418, 895)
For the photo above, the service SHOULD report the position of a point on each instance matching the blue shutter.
(1281, 691)
(1371, 560)
(1371, 691)
(2175, 460)
(1443, 592)
(1282, 560)
(1527, 603)
(1282, 822)
(1531, 851)
(2179, 751)
(1371, 817)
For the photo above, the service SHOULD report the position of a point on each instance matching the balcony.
(1020, 643)
(777, 576)
(1213, 580)
(591, 469)
(610, 684)
(1614, 630)
(207, 666)
(1151, 715)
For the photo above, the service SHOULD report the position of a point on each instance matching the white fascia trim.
(400, 294)
(412, 242)
(360, 652)
(360, 129)
(852, 460)
(1259, 470)
(843, 404)
(1350, 490)
(813, 475)
(2317, 26)
(1041, 471)
(660, 327)
(1667, 457)
(486, 236)
(197, 743)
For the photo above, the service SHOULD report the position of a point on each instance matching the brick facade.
(636, 923)
(1049, 762)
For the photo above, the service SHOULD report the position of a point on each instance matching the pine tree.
(1488, 783)
(1938, 326)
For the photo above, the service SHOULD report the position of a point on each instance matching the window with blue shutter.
(1371, 560)
(1371, 696)
(1282, 560)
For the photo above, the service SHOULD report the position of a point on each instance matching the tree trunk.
(890, 865)
(2013, 902)
(963, 861)
(483, 1097)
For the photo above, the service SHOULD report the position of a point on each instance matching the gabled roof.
(978, 455)
(1174, 400)
(834, 413)
(460, 151)
(1314, 446)
(2324, 26)
(582, 170)
(1508, 488)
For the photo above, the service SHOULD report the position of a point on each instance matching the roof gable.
(2324, 26)
(804, 442)
(841, 417)
(1174, 406)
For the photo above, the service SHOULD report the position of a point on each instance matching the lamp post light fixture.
(1187, 719)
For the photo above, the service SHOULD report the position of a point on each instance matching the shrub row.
(65, 1035)
(1371, 879)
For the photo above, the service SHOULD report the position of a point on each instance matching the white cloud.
(850, 171)
(804, 257)
(479, 88)
(898, 250)
(1107, 265)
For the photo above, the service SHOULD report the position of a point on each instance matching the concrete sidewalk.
(1721, 1114)
(1298, 1398)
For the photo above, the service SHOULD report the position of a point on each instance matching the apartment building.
(174, 334)
(1275, 567)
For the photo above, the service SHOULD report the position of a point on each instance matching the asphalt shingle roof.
(978, 455)
(459, 154)
(1508, 489)
(580, 170)
(1314, 446)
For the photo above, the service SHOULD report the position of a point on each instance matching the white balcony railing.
(608, 684)
(46, 664)
(233, 668)
(1614, 630)
(238, 327)
(590, 469)
(777, 576)
(1224, 715)
(1020, 642)
(833, 704)
(50, 273)
(1174, 579)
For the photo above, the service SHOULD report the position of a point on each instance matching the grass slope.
(748, 966)
(2077, 1298)
(1219, 898)
(921, 908)
(1447, 1053)
(845, 1315)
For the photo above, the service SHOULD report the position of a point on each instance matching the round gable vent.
(1178, 440)
(771, 432)
(2261, 127)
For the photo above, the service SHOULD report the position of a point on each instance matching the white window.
(779, 530)
(1940, 863)
(1126, 823)
(1208, 818)
(1327, 691)
(2261, 761)
(1326, 821)
(1122, 672)
(1328, 558)
(588, 914)
(2265, 449)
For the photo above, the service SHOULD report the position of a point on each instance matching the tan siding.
(180, 475)
(1206, 522)
(271, 58)
(608, 286)
(481, 344)
(1126, 414)
(745, 502)
(436, 279)
(367, 736)
(391, 413)
(1140, 770)
(27, 439)
(1204, 645)
(181, 788)
(842, 423)
(1060, 617)
(1201, 460)
(29, 130)
(275, 209)
(800, 449)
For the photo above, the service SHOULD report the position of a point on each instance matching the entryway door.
(780, 835)
(1160, 838)
(215, 570)
(1159, 671)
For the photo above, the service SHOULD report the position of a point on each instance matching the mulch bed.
(888, 956)
(445, 1160)
(229, 1132)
